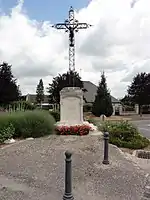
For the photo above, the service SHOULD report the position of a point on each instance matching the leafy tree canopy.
(139, 90)
(69, 79)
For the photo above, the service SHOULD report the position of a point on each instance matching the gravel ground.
(35, 170)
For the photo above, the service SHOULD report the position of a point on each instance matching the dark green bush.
(124, 134)
(56, 115)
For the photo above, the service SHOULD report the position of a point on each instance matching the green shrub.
(6, 132)
(32, 124)
(136, 143)
(56, 115)
(27, 124)
(124, 134)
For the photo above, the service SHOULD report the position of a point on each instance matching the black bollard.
(106, 142)
(68, 177)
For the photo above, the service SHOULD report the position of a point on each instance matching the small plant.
(73, 130)
(7, 132)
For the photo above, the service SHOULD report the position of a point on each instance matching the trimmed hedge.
(124, 134)
(26, 124)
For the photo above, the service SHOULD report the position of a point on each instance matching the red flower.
(73, 130)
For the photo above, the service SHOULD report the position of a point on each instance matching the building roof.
(32, 98)
(89, 95)
(91, 92)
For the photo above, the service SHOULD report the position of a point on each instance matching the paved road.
(143, 126)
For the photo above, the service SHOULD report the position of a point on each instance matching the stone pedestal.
(71, 106)
(114, 110)
(120, 110)
(137, 109)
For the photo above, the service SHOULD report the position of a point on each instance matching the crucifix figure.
(71, 25)
(71, 36)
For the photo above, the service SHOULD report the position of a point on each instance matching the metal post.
(68, 177)
(106, 143)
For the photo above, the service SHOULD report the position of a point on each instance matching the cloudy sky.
(118, 42)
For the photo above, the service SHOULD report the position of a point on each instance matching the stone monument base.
(61, 123)
(71, 106)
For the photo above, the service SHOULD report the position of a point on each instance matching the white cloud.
(118, 43)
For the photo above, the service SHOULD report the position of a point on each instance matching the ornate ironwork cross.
(71, 25)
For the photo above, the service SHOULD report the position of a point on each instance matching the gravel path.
(35, 170)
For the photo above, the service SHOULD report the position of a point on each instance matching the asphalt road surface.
(143, 126)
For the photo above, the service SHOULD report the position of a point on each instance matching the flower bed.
(124, 134)
(73, 130)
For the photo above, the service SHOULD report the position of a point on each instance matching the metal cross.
(71, 25)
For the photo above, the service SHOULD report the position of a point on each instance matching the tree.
(40, 92)
(9, 90)
(139, 90)
(69, 79)
(127, 100)
(102, 104)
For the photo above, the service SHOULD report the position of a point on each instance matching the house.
(89, 96)
(91, 92)
(32, 99)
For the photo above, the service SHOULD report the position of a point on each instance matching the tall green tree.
(102, 104)
(139, 90)
(69, 79)
(40, 92)
(9, 90)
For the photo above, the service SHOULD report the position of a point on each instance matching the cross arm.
(59, 26)
(83, 25)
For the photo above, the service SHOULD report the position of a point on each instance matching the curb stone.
(120, 151)
(96, 133)
(30, 138)
(12, 144)
(16, 142)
